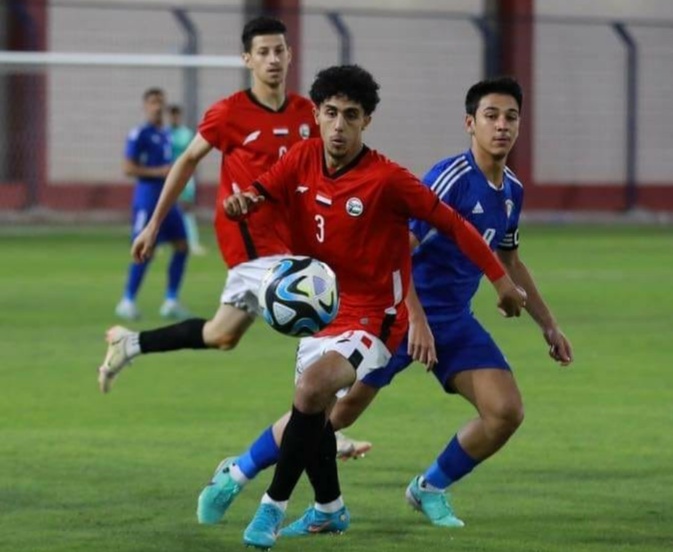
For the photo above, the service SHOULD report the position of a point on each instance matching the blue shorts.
(171, 229)
(462, 344)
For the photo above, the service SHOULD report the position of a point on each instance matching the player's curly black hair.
(507, 86)
(261, 26)
(351, 81)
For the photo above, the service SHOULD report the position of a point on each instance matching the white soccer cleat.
(116, 358)
(348, 448)
(127, 310)
(173, 310)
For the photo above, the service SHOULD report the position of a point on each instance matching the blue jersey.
(445, 279)
(149, 146)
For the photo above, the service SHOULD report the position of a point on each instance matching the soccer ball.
(299, 296)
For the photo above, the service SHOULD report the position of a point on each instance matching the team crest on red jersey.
(304, 131)
(354, 207)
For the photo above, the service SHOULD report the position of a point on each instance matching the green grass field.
(591, 470)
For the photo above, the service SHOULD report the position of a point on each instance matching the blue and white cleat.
(435, 505)
(314, 521)
(264, 527)
(217, 496)
(127, 310)
(173, 310)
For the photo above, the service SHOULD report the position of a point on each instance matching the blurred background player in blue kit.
(181, 136)
(148, 159)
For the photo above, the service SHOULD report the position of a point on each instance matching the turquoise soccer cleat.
(314, 521)
(435, 505)
(263, 529)
(217, 496)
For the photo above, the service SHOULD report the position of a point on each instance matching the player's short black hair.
(508, 86)
(174, 109)
(351, 81)
(154, 91)
(261, 26)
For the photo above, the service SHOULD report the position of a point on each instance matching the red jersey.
(253, 137)
(357, 221)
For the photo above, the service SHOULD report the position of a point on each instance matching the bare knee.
(218, 339)
(503, 420)
(309, 396)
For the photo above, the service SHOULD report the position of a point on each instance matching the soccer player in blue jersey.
(148, 159)
(479, 185)
(461, 354)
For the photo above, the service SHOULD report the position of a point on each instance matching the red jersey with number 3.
(357, 221)
(251, 138)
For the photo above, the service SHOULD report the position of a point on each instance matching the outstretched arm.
(421, 342)
(559, 345)
(180, 173)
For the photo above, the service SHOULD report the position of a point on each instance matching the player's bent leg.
(314, 521)
(227, 327)
(319, 383)
(434, 503)
(495, 395)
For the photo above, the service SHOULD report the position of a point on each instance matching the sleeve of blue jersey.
(517, 195)
(510, 241)
(133, 145)
(421, 228)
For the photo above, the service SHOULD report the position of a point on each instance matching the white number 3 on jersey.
(320, 230)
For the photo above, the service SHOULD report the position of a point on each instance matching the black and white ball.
(299, 296)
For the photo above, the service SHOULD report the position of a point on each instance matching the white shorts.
(243, 281)
(363, 350)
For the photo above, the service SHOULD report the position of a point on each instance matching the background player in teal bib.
(148, 158)
(181, 137)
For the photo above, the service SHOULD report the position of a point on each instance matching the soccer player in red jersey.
(252, 129)
(348, 206)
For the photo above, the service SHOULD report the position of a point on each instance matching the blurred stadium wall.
(597, 76)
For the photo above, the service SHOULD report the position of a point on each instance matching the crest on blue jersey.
(509, 207)
(354, 207)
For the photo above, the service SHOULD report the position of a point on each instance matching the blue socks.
(176, 270)
(264, 452)
(451, 465)
(135, 278)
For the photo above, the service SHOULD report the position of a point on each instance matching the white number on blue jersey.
(489, 234)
